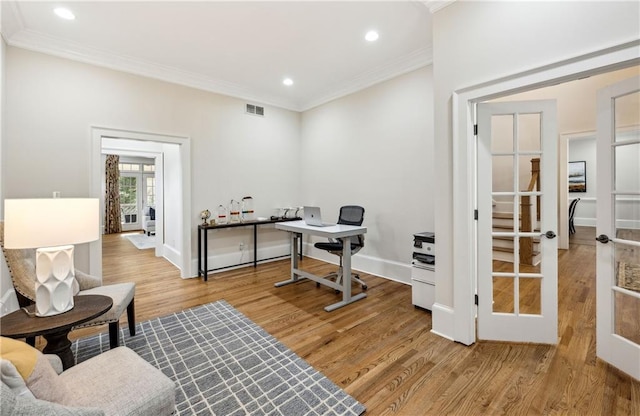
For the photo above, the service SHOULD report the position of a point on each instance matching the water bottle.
(222, 215)
(248, 214)
(234, 211)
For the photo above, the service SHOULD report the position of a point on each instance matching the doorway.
(464, 188)
(464, 176)
(172, 153)
(137, 190)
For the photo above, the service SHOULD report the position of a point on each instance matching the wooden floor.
(381, 351)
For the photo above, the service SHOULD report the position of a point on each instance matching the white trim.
(51, 45)
(388, 269)
(464, 273)
(436, 5)
(391, 69)
(97, 133)
(442, 321)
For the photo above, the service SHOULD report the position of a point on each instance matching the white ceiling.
(238, 48)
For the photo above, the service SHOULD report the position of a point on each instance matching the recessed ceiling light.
(287, 81)
(64, 13)
(371, 36)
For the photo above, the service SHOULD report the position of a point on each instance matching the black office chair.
(572, 211)
(349, 215)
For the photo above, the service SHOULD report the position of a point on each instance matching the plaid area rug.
(226, 365)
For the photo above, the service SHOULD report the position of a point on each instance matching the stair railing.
(526, 216)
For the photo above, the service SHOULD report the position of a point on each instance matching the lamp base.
(55, 276)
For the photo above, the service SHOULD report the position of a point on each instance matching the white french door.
(517, 222)
(130, 187)
(618, 226)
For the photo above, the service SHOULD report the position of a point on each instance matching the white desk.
(338, 231)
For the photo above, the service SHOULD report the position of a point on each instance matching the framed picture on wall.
(578, 176)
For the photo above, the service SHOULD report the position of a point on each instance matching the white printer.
(423, 266)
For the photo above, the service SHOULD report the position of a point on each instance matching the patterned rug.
(226, 365)
(629, 276)
(141, 241)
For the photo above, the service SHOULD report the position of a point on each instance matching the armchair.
(149, 221)
(116, 382)
(22, 270)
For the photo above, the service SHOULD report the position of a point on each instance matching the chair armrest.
(87, 281)
(55, 362)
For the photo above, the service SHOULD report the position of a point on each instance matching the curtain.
(112, 196)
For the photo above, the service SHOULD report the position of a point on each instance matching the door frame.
(464, 238)
(181, 259)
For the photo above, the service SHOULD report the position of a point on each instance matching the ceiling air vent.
(255, 110)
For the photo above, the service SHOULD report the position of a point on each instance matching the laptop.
(312, 217)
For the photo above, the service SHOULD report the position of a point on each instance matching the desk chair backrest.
(352, 215)
(572, 213)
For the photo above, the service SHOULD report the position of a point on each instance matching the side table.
(55, 329)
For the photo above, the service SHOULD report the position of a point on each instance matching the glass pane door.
(129, 213)
(618, 251)
(517, 267)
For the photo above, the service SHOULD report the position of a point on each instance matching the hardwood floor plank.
(381, 350)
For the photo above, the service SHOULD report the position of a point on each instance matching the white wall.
(53, 102)
(383, 134)
(477, 42)
(375, 148)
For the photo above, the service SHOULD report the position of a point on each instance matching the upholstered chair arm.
(86, 281)
(55, 362)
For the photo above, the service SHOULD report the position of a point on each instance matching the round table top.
(19, 324)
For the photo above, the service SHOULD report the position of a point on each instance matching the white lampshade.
(51, 226)
(47, 222)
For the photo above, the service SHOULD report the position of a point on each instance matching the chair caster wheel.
(365, 287)
(317, 284)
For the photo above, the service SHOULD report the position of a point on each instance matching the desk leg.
(300, 248)
(206, 254)
(60, 345)
(346, 278)
(199, 252)
(255, 245)
(294, 261)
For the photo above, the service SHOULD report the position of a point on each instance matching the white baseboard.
(173, 256)
(392, 270)
(621, 223)
(442, 321)
(229, 260)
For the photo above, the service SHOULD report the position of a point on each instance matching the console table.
(203, 231)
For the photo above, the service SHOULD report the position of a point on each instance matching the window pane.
(529, 137)
(502, 175)
(502, 134)
(627, 168)
(627, 113)
(530, 296)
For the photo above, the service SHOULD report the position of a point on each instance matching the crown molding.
(11, 20)
(39, 42)
(410, 62)
(17, 35)
(435, 5)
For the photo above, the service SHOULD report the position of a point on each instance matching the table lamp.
(52, 227)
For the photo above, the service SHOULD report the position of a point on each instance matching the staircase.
(529, 252)
(503, 246)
